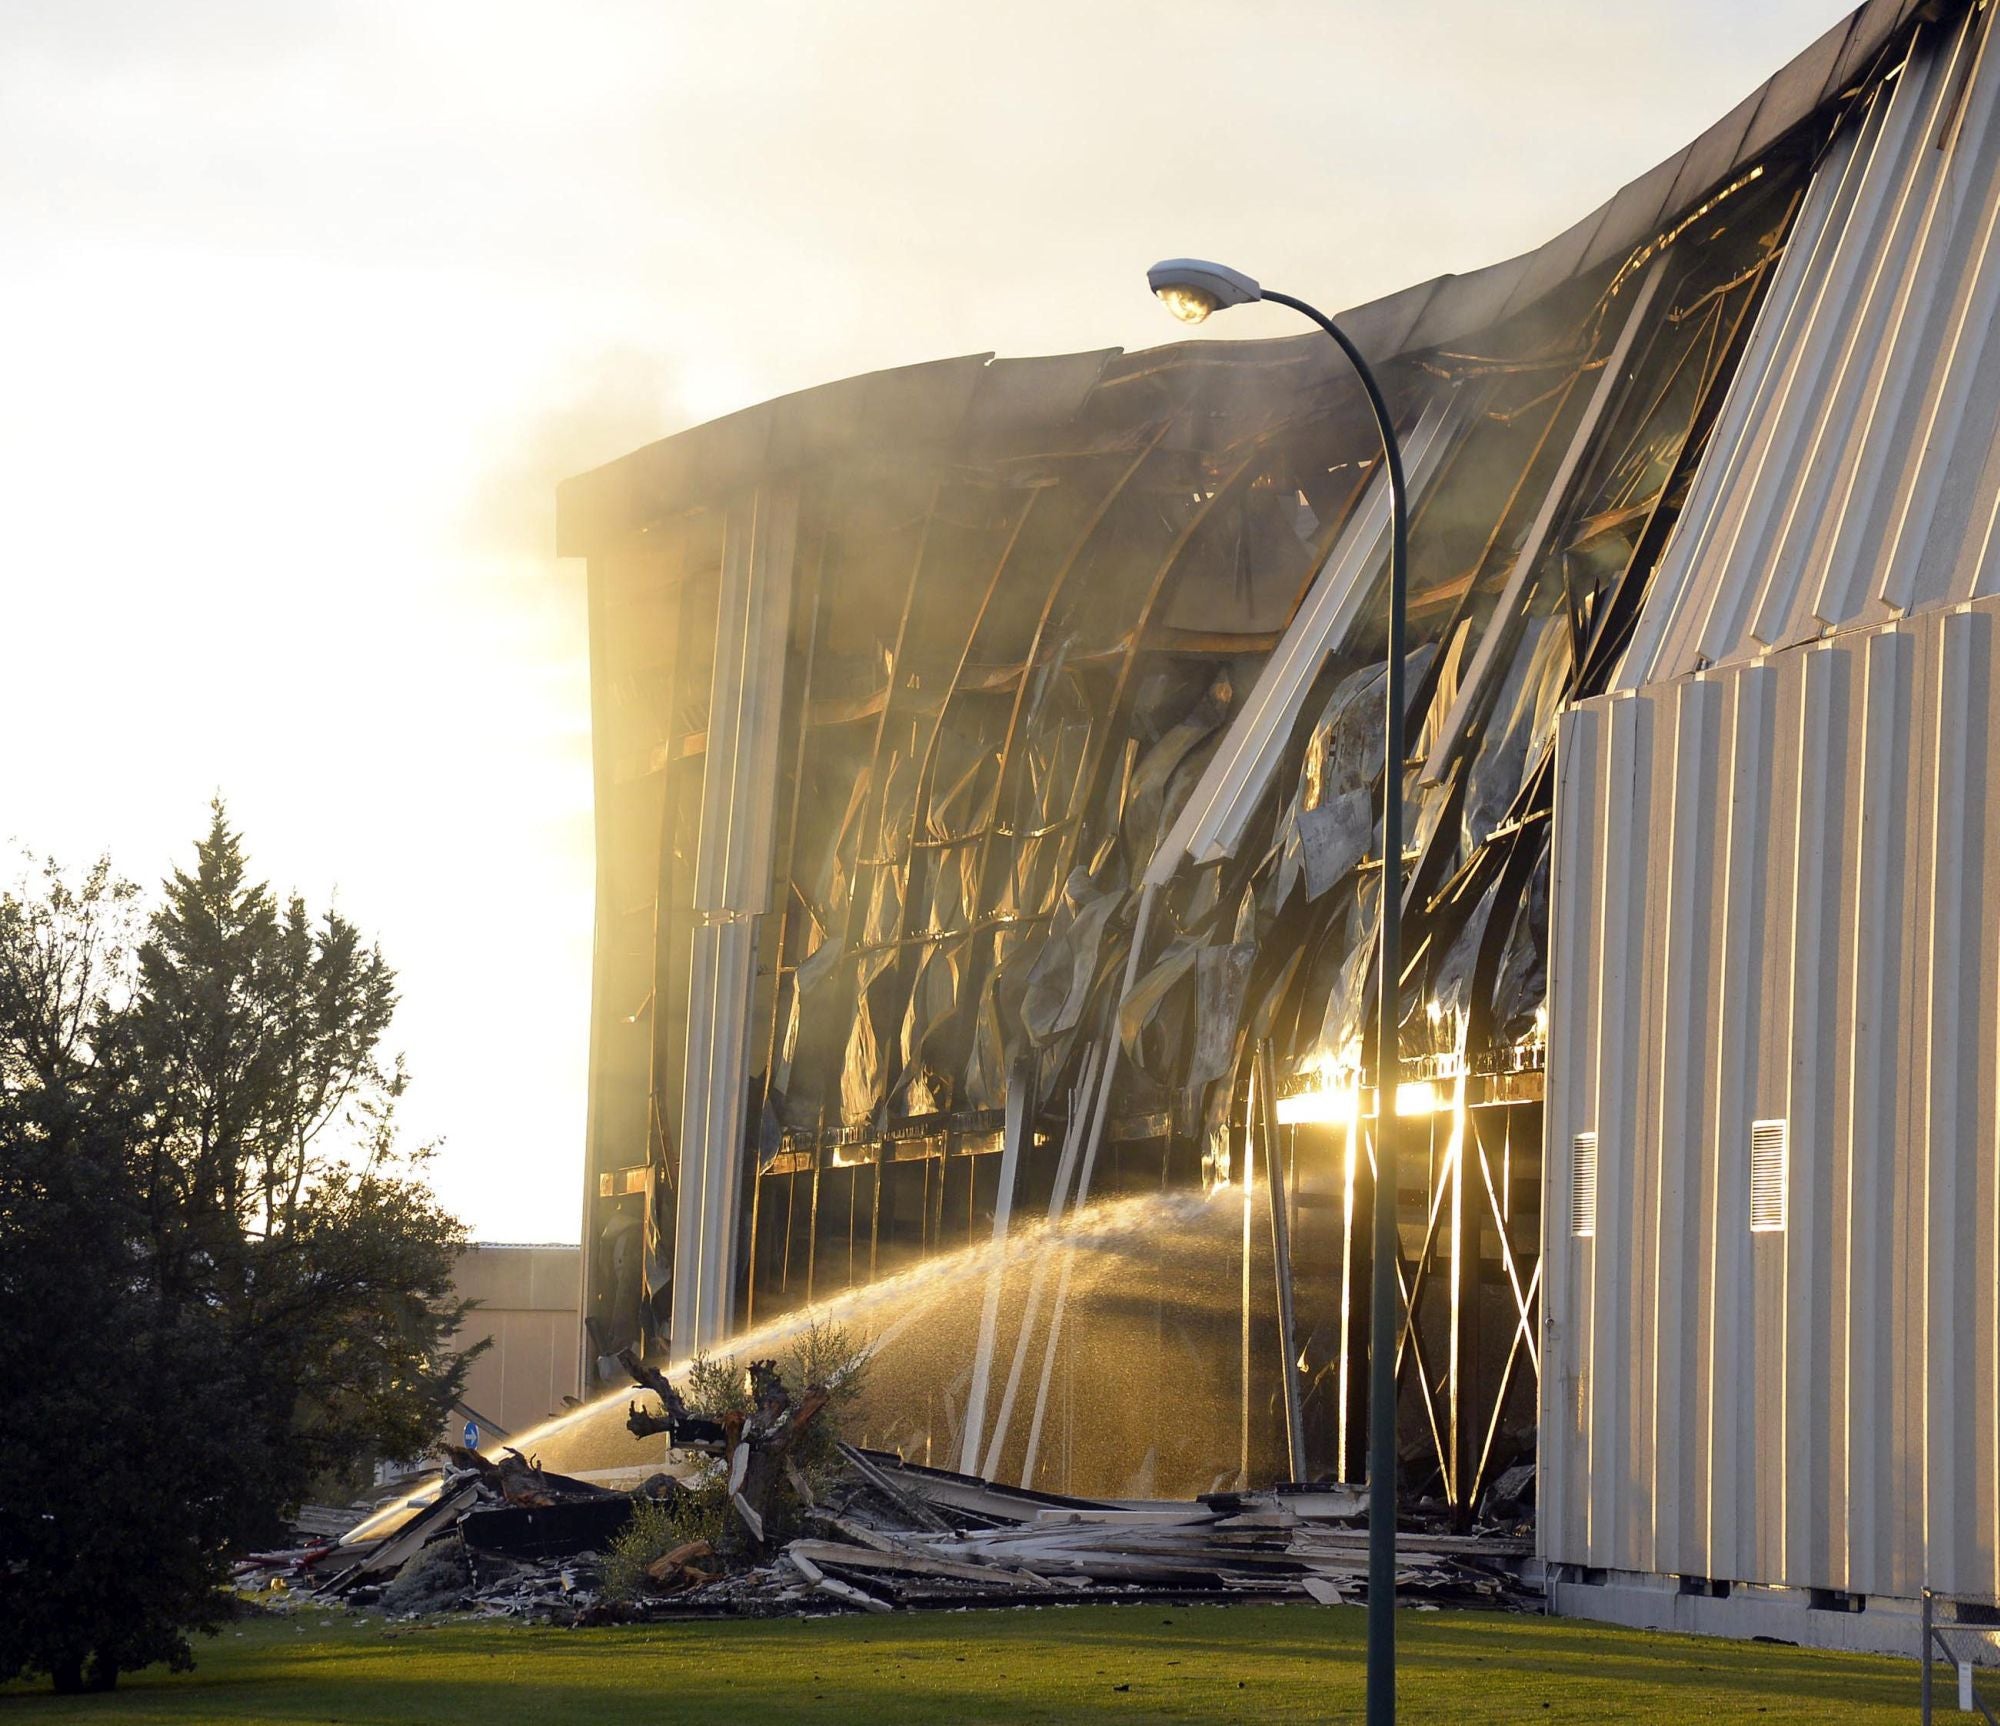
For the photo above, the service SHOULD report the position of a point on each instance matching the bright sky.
(305, 305)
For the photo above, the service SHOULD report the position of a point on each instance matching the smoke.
(608, 405)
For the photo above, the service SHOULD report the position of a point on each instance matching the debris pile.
(910, 1536)
(889, 1534)
(784, 1517)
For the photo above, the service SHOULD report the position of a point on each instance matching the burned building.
(987, 780)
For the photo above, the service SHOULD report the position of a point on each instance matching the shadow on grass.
(1268, 1664)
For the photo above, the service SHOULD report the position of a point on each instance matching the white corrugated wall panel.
(1683, 863)
(1873, 1116)
(1821, 864)
(1948, 1089)
(1614, 1493)
(1658, 1089)
(1777, 897)
(1562, 1497)
(1736, 982)
(1853, 475)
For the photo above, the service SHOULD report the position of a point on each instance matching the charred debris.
(776, 1515)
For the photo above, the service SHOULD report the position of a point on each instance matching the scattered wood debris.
(784, 1518)
(889, 1535)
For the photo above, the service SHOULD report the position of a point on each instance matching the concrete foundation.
(1805, 1617)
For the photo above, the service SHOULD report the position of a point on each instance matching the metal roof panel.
(1556, 262)
(1874, 24)
(1470, 302)
(1716, 155)
(1796, 91)
(1636, 214)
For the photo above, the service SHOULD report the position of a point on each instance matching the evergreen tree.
(121, 1432)
(222, 1280)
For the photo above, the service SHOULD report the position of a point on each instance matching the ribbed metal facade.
(1853, 475)
(1774, 1356)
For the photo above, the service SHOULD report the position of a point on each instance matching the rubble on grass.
(888, 1535)
(782, 1517)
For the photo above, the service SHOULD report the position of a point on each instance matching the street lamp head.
(1191, 288)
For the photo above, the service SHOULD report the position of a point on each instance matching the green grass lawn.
(1249, 1664)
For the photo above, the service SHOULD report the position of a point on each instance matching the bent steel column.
(732, 888)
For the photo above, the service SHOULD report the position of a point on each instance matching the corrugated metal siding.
(1854, 474)
(1777, 892)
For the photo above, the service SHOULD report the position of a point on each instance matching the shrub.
(699, 1511)
(826, 1354)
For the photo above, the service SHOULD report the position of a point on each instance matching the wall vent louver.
(1583, 1186)
(1769, 1144)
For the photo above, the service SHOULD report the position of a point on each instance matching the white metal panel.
(1231, 786)
(753, 614)
(1947, 1090)
(1811, 1071)
(1775, 899)
(1922, 350)
(1615, 1035)
(1688, 585)
(1651, 1082)
(1815, 366)
(1880, 329)
(731, 888)
(1877, 905)
(1689, 737)
(1563, 1480)
(1772, 826)
(1853, 474)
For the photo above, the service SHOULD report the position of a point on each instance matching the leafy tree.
(220, 1279)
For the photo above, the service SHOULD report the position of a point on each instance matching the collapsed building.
(987, 784)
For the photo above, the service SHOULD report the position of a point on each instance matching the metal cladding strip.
(731, 886)
(1904, 340)
(1019, 1124)
(1888, 343)
(1735, 1357)
(1563, 1476)
(1877, 935)
(1496, 645)
(1855, 472)
(1809, 935)
(1031, 1310)
(1105, 1078)
(742, 884)
(1783, 425)
(1810, 1104)
(691, 1189)
(1211, 822)
(1946, 1088)
(1745, 419)
(1607, 1389)
(1682, 895)
(1859, 311)
(1967, 370)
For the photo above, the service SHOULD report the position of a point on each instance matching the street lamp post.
(1191, 289)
